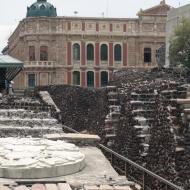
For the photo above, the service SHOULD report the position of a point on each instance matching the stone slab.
(51, 187)
(2, 187)
(73, 137)
(64, 186)
(38, 187)
(21, 187)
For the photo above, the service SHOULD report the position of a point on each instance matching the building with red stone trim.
(84, 51)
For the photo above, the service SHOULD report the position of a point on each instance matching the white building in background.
(174, 18)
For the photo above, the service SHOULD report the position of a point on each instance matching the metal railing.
(133, 171)
(147, 179)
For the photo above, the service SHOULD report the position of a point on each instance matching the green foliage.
(179, 51)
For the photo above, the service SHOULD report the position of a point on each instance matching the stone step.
(113, 100)
(140, 127)
(111, 87)
(143, 121)
(145, 145)
(112, 94)
(142, 102)
(23, 113)
(27, 131)
(27, 121)
(179, 149)
(110, 135)
(144, 113)
(141, 110)
(142, 94)
(143, 135)
(182, 101)
(168, 91)
(113, 114)
(144, 154)
(187, 110)
(112, 120)
(26, 107)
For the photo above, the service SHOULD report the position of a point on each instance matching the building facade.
(81, 50)
(173, 20)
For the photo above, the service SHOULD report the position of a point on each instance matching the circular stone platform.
(32, 158)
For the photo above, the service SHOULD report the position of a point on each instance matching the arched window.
(31, 53)
(76, 52)
(117, 52)
(76, 78)
(147, 55)
(104, 52)
(90, 52)
(43, 53)
(90, 79)
(104, 78)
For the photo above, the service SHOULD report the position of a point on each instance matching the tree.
(179, 50)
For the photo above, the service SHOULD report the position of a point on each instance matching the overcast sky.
(12, 11)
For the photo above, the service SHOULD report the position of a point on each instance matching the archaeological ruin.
(92, 106)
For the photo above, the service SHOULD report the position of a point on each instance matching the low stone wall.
(83, 109)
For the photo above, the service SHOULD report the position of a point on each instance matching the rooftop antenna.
(103, 14)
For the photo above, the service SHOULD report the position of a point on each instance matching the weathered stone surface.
(27, 158)
(82, 109)
(75, 138)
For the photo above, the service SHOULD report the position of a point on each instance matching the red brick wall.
(83, 53)
(125, 54)
(111, 54)
(97, 78)
(83, 78)
(68, 53)
(97, 54)
(69, 77)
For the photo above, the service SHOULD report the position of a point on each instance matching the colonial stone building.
(83, 50)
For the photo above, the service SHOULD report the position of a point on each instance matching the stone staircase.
(112, 119)
(22, 117)
(143, 104)
(184, 104)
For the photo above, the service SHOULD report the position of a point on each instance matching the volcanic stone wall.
(150, 130)
(83, 109)
(163, 117)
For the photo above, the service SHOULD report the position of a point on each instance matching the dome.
(41, 8)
